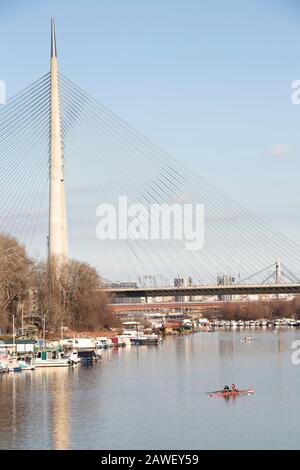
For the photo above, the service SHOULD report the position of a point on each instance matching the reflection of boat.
(247, 339)
(223, 393)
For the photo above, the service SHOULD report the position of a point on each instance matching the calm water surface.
(155, 398)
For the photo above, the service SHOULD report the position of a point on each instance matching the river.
(155, 397)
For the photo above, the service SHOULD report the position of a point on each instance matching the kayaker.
(233, 388)
(226, 388)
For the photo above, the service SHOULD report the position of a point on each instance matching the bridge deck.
(206, 290)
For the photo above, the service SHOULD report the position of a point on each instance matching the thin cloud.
(279, 150)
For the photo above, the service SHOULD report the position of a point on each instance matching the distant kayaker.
(233, 388)
(226, 388)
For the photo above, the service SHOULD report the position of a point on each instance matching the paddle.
(216, 391)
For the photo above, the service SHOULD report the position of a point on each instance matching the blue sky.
(208, 81)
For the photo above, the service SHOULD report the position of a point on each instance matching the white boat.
(142, 339)
(26, 362)
(73, 357)
(51, 359)
(13, 365)
(139, 338)
(4, 366)
(102, 342)
(84, 349)
(241, 324)
(26, 366)
(123, 339)
(52, 363)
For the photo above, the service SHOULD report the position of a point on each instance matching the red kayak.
(223, 393)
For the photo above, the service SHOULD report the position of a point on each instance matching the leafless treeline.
(255, 310)
(73, 296)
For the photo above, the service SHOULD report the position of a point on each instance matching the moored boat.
(13, 365)
(143, 340)
(51, 359)
(83, 350)
(26, 362)
(102, 342)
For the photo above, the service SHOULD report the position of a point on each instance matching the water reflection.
(143, 397)
(35, 409)
(58, 383)
(226, 347)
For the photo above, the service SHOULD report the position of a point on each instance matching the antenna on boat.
(44, 331)
(22, 312)
(13, 334)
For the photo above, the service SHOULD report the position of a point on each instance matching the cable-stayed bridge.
(55, 135)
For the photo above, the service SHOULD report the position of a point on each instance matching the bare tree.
(15, 270)
(73, 295)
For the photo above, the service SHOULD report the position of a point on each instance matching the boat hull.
(52, 363)
(231, 394)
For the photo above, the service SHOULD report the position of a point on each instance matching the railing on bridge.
(205, 290)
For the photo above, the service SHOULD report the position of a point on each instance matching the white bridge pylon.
(58, 238)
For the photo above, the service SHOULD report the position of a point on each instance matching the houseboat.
(82, 350)
(26, 362)
(51, 358)
(102, 342)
